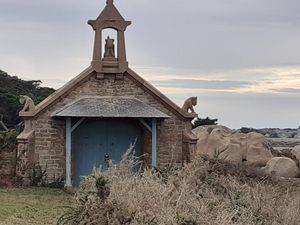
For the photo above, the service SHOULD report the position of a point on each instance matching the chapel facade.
(98, 114)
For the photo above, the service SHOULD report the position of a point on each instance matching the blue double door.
(96, 141)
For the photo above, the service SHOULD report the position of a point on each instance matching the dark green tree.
(11, 87)
(202, 122)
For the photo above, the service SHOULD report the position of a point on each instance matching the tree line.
(11, 87)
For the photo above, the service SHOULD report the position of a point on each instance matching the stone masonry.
(49, 141)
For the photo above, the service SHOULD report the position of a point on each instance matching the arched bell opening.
(110, 45)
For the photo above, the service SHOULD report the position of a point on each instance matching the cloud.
(232, 53)
(202, 84)
(247, 109)
(218, 34)
(288, 90)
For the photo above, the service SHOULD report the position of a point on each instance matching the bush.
(202, 192)
(8, 140)
(202, 122)
(39, 178)
(11, 87)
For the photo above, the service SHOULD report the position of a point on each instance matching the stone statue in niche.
(109, 53)
(189, 104)
(28, 103)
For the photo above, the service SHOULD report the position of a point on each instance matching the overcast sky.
(240, 57)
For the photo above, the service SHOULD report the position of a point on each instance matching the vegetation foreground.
(204, 192)
(201, 193)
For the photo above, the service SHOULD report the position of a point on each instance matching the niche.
(110, 45)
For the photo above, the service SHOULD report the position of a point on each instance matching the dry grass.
(203, 192)
(33, 206)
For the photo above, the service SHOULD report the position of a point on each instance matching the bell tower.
(106, 61)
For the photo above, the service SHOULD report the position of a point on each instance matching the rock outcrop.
(222, 143)
(296, 152)
(282, 167)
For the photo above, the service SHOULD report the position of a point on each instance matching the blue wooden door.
(95, 140)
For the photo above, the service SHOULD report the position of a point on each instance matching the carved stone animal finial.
(109, 48)
(189, 104)
(28, 103)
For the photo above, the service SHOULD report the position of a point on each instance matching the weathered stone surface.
(189, 104)
(296, 152)
(258, 149)
(282, 167)
(223, 143)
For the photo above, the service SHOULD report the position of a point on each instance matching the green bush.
(102, 187)
(202, 122)
(11, 87)
(8, 140)
(38, 176)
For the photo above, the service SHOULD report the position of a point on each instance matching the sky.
(241, 58)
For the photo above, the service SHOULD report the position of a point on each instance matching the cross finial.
(109, 2)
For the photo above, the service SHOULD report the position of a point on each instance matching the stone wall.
(25, 158)
(50, 133)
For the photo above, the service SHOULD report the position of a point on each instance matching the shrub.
(58, 183)
(38, 176)
(8, 140)
(202, 122)
(102, 187)
(202, 192)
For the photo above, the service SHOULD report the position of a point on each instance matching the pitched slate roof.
(125, 107)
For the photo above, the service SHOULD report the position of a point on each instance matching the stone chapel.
(98, 114)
